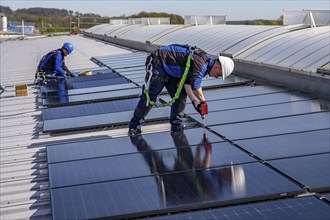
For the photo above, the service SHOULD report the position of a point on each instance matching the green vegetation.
(174, 19)
(52, 30)
(279, 21)
(49, 20)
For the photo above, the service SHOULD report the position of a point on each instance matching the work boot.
(134, 132)
(177, 128)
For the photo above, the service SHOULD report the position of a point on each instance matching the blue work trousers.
(160, 79)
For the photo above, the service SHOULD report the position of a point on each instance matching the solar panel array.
(261, 147)
(88, 88)
(293, 208)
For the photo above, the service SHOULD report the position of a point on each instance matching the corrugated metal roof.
(24, 164)
(24, 175)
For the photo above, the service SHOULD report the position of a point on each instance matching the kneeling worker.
(52, 65)
(166, 67)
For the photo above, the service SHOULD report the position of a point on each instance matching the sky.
(233, 9)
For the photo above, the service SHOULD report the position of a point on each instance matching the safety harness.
(40, 74)
(178, 91)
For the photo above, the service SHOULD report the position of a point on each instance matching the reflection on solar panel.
(164, 193)
(311, 171)
(85, 98)
(89, 109)
(100, 120)
(102, 148)
(139, 164)
(49, 90)
(288, 145)
(262, 112)
(294, 208)
(275, 126)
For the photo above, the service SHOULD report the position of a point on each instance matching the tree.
(258, 23)
(5, 10)
(174, 19)
(41, 21)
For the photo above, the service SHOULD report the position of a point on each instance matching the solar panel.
(288, 145)
(107, 74)
(89, 109)
(48, 90)
(160, 194)
(95, 83)
(311, 171)
(262, 112)
(326, 196)
(102, 148)
(243, 91)
(51, 88)
(101, 89)
(205, 155)
(100, 120)
(237, 92)
(275, 126)
(84, 98)
(249, 101)
(294, 208)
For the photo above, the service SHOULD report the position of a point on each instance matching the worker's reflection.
(190, 178)
(60, 84)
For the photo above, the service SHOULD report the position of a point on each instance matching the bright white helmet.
(227, 66)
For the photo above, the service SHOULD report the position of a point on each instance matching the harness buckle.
(192, 51)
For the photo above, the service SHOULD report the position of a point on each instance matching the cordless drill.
(203, 109)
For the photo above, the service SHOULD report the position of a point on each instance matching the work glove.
(195, 104)
(201, 108)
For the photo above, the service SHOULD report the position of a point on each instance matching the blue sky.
(234, 9)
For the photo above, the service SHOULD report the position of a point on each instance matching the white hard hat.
(227, 66)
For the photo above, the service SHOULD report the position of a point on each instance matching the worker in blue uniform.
(52, 65)
(165, 68)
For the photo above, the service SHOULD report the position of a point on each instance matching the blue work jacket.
(173, 58)
(53, 63)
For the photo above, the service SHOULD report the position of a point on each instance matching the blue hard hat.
(68, 46)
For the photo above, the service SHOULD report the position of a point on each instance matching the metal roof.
(24, 180)
(295, 56)
(258, 130)
(293, 46)
(304, 50)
